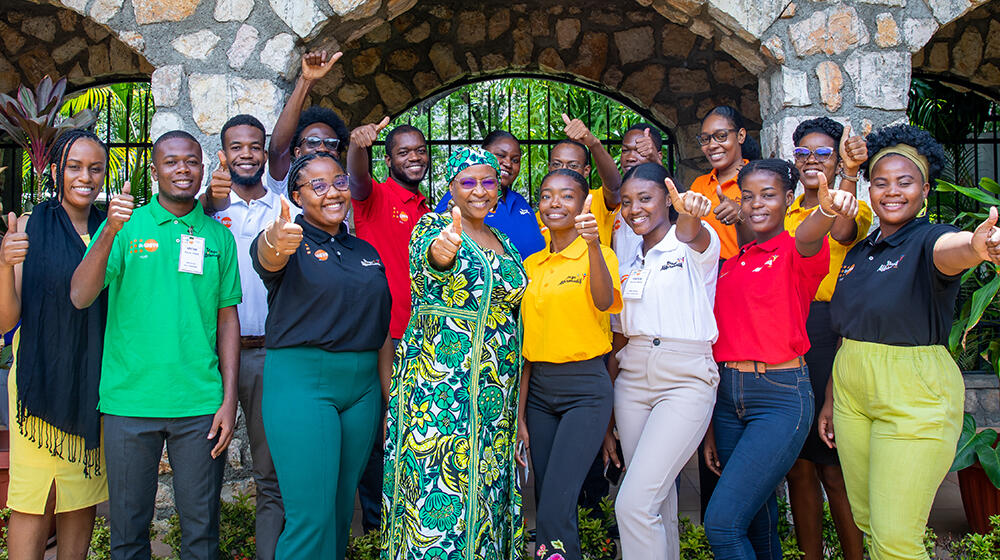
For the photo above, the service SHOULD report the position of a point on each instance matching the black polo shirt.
(890, 292)
(332, 294)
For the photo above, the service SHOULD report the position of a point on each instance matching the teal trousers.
(321, 415)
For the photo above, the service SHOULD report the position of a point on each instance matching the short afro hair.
(822, 125)
(390, 138)
(323, 115)
(583, 148)
(239, 120)
(918, 138)
(654, 133)
(172, 134)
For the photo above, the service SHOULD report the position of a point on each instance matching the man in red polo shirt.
(384, 215)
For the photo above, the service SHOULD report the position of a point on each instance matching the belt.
(252, 341)
(750, 366)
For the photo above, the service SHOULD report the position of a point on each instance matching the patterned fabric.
(469, 156)
(450, 487)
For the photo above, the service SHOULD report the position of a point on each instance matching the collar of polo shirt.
(898, 236)
(318, 235)
(195, 219)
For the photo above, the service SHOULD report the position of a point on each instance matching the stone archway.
(965, 53)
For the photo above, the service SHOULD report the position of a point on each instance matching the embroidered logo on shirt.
(400, 215)
(889, 265)
(226, 221)
(322, 255)
(573, 279)
(366, 262)
(845, 270)
(679, 263)
(767, 264)
(525, 211)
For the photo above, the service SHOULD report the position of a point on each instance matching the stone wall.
(965, 52)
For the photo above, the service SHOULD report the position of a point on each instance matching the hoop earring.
(923, 210)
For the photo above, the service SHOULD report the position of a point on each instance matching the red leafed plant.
(32, 120)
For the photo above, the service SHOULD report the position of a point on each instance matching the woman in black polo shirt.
(328, 317)
(897, 394)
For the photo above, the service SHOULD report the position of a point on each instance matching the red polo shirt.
(386, 219)
(762, 301)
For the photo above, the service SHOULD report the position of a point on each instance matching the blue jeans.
(761, 421)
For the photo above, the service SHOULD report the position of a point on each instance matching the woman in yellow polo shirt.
(566, 394)
(823, 146)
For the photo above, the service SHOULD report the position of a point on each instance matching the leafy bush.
(365, 547)
(595, 532)
(979, 547)
(237, 530)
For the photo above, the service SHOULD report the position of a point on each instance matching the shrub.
(237, 530)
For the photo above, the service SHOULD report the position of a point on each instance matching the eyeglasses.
(488, 183)
(719, 136)
(314, 142)
(802, 154)
(572, 166)
(319, 186)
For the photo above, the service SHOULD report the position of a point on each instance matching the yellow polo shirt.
(605, 218)
(796, 214)
(561, 323)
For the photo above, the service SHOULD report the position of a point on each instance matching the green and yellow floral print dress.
(450, 487)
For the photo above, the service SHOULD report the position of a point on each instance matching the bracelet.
(847, 177)
(821, 211)
(268, 243)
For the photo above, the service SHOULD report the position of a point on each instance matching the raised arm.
(853, 152)
(13, 251)
(607, 169)
(279, 241)
(832, 204)
(957, 252)
(88, 279)
(602, 290)
(315, 65)
(691, 207)
(362, 138)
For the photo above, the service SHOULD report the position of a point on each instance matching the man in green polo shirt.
(170, 364)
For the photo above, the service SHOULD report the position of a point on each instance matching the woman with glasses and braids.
(728, 147)
(328, 319)
(824, 147)
(55, 435)
(450, 481)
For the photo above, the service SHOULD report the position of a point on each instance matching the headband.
(907, 151)
(467, 157)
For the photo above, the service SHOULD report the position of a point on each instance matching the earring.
(923, 210)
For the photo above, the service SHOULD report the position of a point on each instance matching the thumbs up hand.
(120, 208)
(689, 203)
(365, 135)
(586, 223)
(853, 151)
(14, 247)
(646, 148)
(728, 211)
(222, 182)
(578, 132)
(836, 203)
(985, 240)
(287, 235)
(444, 248)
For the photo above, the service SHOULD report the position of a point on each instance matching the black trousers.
(567, 413)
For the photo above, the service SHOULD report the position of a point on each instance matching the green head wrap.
(467, 157)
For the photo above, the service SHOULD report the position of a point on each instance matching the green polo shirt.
(160, 357)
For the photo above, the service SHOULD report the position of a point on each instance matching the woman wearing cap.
(450, 479)
(898, 395)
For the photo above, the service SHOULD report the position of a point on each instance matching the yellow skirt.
(33, 470)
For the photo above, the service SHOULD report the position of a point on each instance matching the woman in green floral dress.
(450, 487)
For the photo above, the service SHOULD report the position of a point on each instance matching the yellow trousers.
(897, 415)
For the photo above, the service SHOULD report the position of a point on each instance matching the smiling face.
(764, 203)
(811, 167)
(897, 191)
(645, 207)
(244, 148)
(569, 156)
(83, 174)
(508, 153)
(560, 202)
(630, 154)
(470, 195)
(177, 169)
(318, 130)
(328, 211)
(722, 155)
(408, 158)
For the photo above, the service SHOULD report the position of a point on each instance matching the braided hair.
(60, 154)
(786, 172)
(298, 165)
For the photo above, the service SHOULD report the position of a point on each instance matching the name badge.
(635, 284)
(192, 259)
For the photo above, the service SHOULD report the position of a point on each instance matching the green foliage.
(237, 530)
(979, 547)
(100, 541)
(365, 547)
(530, 109)
(595, 539)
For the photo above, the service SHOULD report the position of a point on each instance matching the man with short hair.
(171, 356)
(236, 198)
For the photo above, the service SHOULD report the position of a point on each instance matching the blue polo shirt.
(515, 218)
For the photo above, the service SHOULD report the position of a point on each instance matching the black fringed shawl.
(59, 357)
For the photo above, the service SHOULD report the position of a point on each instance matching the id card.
(635, 284)
(192, 258)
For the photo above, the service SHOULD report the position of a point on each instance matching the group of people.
(420, 357)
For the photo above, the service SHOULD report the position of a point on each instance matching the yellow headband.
(907, 151)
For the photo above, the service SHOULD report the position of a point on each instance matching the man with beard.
(384, 215)
(171, 356)
(236, 198)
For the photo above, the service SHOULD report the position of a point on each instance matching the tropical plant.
(975, 445)
(975, 546)
(33, 122)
